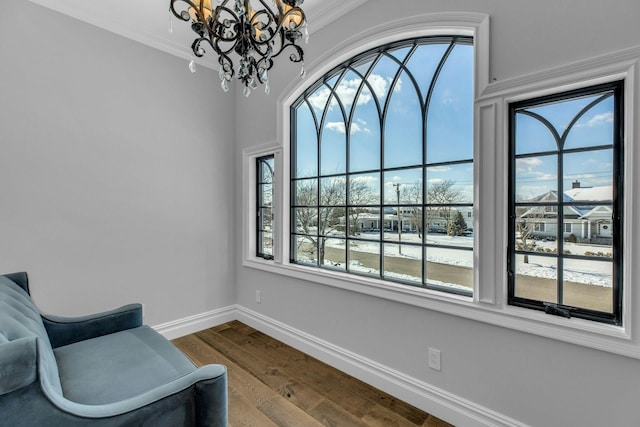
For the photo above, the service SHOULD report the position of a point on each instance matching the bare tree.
(527, 221)
(322, 215)
(440, 196)
(360, 195)
(413, 194)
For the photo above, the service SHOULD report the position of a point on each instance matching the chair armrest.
(69, 330)
(18, 364)
(209, 383)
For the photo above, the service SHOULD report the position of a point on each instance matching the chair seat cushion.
(118, 366)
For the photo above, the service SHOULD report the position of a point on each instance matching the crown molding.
(146, 21)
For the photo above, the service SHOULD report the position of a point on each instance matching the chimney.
(576, 184)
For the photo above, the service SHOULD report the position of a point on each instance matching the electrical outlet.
(434, 359)
(258, 296)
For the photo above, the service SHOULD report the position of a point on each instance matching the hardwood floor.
(272, 384)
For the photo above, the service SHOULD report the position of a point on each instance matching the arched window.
(382, 165)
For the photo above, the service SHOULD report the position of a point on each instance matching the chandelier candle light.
(256, 36)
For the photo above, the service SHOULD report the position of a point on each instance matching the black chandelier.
(256, 36)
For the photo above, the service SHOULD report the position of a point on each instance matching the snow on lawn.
(594, 272)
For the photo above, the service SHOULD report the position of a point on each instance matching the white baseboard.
(188, 325)
(451, 408)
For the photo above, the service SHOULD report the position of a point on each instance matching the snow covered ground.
(592, 272)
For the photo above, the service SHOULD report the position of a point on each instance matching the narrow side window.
(264, 206)
(566, 203)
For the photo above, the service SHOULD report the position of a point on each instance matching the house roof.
(584, 194)
(591, 194)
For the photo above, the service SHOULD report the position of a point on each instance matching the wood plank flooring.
(272, 384)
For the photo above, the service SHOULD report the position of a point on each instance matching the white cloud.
(337, 127)
(319, 99)
(356, 127)
(380, 85)
(448, 99)
(439, 169)
(365, 178)
(598, 119)
(528, 163)
(348, 88)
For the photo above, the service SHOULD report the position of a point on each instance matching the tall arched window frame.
(382, 181)
(494, 93)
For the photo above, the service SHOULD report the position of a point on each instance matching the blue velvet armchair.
(104, 370)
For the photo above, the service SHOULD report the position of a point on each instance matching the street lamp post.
(397, 185)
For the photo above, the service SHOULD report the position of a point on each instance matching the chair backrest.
(20, 324)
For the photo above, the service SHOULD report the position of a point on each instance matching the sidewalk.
(577, 294)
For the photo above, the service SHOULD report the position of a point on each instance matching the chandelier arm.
(219, 23)
(195, 46)
(184, 14)
(297, 56)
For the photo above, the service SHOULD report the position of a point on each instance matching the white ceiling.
(147, 21)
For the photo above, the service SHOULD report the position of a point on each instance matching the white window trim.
(250, 199)
(488, 304)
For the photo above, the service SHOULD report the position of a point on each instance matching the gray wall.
(535, 380)
(115, 174)
(114, 171)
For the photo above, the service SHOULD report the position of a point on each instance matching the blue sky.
(538, 174)
(449, 121)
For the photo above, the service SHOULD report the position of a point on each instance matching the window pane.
(536, 229)
(347, 90)
(588, 284)
(536, 278)
(265, 166)
(591, 230)
(450, 226)
(588, 175)
(306, 220)
(560, 114)
(318, 100)
(532, 136)
(403, 262)
(364, 189)
(382, 76)
(401, 53)
(450, 183)
(364, 257)
(423, 63)
(305, 250)
(266, 219)
(450, 117)
(364, 222)
(333, 191)
(306, 192)
(403, 126)
(334, 253)
(402, 186)
(267, 243)
(449, 267)
(306, 143)
(363, 67)
(594, 128)
(536, 179)
(332, 221)
(333, 151)
(364, 145)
